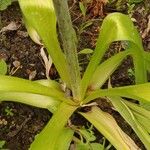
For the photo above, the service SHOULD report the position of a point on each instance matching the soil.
(20, 123)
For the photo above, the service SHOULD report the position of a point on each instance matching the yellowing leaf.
(107, 125)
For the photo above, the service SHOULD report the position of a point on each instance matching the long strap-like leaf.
(116, 27)
(140, 92)
(64, 139)
(14, 84)
(35, 100)
(128, 115)
(40, 15)
(47, 139)
(107, 125)
(104, 70)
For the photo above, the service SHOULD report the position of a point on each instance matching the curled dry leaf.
(11, 27)
(104, 1)
(16, 63)
(147, 30)
(96, 7)
(47, 61)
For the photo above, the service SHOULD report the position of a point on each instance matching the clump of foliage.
(4, 4)
(40, 18)
(2, 144)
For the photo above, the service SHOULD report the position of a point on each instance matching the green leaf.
(82, 146)
(104, 70)
(49, 136)
(116, 27)
(106, 124)
(137, 108)
(36, 100)
(97, 146)
(40, 16)
(3, 67)
(142, 115)
(84, 26)
(147, 60)
(49, 83)
(4, 4)
(2, 143)
(86, 51)
(90, 146)
(12, 84)
(139, 92)
(88, 135)
(32, 32)
(145, 122)
(82, 8)
(65, 139)
(134, 1)
(128, 115)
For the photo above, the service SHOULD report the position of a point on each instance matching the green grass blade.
(65, 139)
(14, 84)
(128, 115)
(104, 70)
(47, 139)
(40, 15)
(36, 100)
(116, 27)
(107, 125)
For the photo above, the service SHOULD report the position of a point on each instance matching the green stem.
(69, 44)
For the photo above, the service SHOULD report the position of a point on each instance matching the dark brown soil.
(20, 127)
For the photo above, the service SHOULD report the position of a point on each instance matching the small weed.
(4, 4)
(85, 23)
(131, 73)
(87, 140)
(2, 144)
(83, 8)
(8, 111)
(130, 9)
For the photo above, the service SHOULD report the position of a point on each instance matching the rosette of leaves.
(40, 18)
